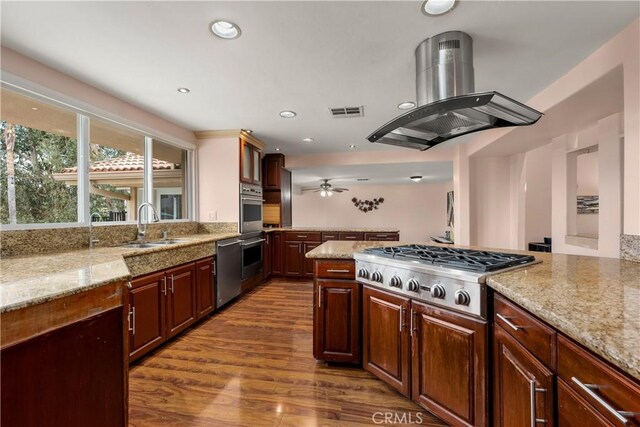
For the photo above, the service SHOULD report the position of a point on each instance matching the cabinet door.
(523, 386)
(277, 253)
(256, 175)
(267, 259)
(336, 330)
(385, 338)
(272, 164)
(146, 314)
(246, 158)
(181, 299)
(307, 264)
(293, 258)
(573, 410)
(205, 290)
(449, 365)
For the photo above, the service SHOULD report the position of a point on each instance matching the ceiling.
(304, 56)
(378, 174)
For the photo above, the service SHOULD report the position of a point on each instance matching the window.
(116, 172)
(38, 143)
(169, 183)
(40, 174)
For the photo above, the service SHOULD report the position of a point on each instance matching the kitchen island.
(573, 317)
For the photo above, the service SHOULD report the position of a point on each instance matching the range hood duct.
(447, 105)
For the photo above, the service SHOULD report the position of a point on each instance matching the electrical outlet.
(213, 215)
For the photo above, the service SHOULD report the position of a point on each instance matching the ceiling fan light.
(323, 193)
(330, 193)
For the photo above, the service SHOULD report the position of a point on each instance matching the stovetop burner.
(461, 259)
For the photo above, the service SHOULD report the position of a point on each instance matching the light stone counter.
(338, 229)
(30, 280)
(595, 301)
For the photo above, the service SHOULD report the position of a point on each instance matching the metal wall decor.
(367, 205)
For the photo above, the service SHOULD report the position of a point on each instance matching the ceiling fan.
(327, 190)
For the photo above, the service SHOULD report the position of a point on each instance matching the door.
(293, 258)
(146, 314)
(337, 321)
(386, 338)
(523, 386)
(449, 365)
(277, 253)
(267, 256)
(205, 292)
(307, 264)
(181, 298)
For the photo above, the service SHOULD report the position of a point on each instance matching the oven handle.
(255, 242)
(254, 199)
(229, 244)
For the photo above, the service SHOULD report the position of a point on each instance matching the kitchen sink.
(168, 242)
(138, 245)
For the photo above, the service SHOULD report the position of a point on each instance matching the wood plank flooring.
(252, 365)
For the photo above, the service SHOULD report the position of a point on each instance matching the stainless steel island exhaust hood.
(447, 107)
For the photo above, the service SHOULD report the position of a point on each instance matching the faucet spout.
(142, 227)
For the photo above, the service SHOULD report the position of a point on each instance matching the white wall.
(417, 210)
(537, 215)
(490, 201)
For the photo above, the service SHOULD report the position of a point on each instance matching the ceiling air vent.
(449, 44)
(347, 112)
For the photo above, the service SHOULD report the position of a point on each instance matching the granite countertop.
(30, 280)
(343, 229)
(595, 301)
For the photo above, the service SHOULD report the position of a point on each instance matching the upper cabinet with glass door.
(250, 163)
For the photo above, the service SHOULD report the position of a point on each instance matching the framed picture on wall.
(588, 205)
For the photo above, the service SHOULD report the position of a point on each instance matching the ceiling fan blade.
(339, 190)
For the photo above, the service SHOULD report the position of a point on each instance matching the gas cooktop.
(456, 258)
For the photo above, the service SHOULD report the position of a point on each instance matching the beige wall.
(537, 195)
(418, 211)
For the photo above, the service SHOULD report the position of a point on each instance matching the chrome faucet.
(93, 241)
(143, 230)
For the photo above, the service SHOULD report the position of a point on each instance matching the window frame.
(83, 122)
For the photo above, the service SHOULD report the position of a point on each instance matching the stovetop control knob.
(438, 291)
(413, 285)
(363, 273)
(395, 282)
(376, 277)
(462, 297)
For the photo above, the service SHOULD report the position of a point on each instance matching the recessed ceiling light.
(34, 108)
(225, 29)
(288, 114)
(406, 105)
(307, 140)
(416, 178)
(352, 146)
(184, 90)
(277, 149)
(437, 7)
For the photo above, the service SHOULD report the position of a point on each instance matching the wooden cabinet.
(147, 299)
(573, 410)
(382, 237)
(267, 258)
(272, 165)
(336, 320)
(330, 235)
(449, 365)
(277, 266)
(163, 304)
(523, 386)
(205, 283)
(250, 164)
(296, 245)
(349, 235)
(386, 338)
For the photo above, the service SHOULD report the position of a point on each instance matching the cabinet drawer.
(607, 390)
(335, 269)
(347, 235)
(534, 335)
(326, 236)
(303, 236)
(382, 237)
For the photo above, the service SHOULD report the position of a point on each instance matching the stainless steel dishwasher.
(229, 274)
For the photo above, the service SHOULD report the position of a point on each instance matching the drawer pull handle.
(511, 325)
(338, 271)
(319, 296)
(589, 389)
(301, 236)
(401, 316)
(172, 284)
(532, 392)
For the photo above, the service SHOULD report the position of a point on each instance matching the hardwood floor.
(251, 365)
